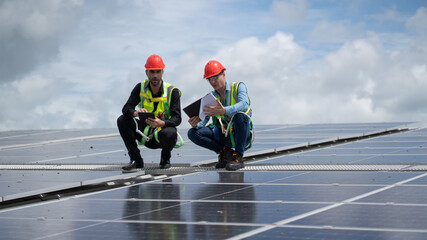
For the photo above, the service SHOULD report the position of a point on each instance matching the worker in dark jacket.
(156, 96)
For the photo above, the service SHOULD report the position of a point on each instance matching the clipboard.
(193, 109)
(196, 108)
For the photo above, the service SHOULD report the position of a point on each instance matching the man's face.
(218, 81)
(154, 76)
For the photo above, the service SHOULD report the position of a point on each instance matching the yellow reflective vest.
(147, 101)
(163, 107)
(233, 100)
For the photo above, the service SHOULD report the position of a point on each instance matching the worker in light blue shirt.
(231, 126)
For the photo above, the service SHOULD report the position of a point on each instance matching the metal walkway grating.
(248, 168)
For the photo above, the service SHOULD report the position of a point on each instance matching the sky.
(67, 64)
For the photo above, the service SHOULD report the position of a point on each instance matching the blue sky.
(72, 64)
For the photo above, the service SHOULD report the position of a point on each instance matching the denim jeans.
(204, 136)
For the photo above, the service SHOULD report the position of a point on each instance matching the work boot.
(224, 156)
(133, 165)
(165, 163)
(235, 163)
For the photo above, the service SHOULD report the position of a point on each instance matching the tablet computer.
(144, 115)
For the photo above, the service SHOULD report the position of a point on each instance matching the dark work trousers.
(127, 128)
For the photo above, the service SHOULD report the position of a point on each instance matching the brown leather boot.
(224, 156)
(235, 163)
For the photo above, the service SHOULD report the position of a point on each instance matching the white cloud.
(23, 98)
(420, 73)
(367, 76)
(30, 32)
(290, 12)
(330, 32)
(389, 15)
(356, 57)
(359, 82)
(417, 23)
(266, 67)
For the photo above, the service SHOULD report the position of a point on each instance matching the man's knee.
(125, 124)
(168, 135)
(121, 121)
(170, 131)
(191, 133)
(241, 118)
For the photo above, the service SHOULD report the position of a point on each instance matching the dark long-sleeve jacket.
(175, 105)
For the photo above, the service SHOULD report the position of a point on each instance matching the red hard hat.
(213, 68)
(154, 62)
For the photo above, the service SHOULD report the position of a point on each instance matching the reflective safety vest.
(162, 110)
(147, 101)
(223, 122)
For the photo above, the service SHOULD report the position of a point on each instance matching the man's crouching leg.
(242, 138)
(127, 132)
(167, 137)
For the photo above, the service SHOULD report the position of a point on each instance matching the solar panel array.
(264, 204)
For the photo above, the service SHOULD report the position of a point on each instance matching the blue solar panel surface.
(222, 204)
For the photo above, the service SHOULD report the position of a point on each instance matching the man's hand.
(155, 122)
(135, 114)
(193, 121)
(214, 110)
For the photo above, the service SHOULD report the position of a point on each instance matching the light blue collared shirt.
(242, 102)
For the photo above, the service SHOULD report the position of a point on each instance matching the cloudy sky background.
(72, 64)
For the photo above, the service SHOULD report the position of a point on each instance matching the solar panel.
(210, 204)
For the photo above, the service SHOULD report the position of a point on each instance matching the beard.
(155, 81)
